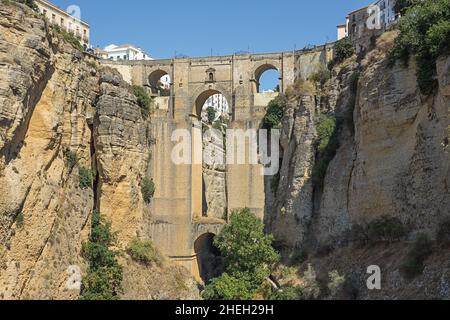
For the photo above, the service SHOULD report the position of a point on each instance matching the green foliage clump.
(144, 251)
(29, 3)
(20, 219)
(104, 277)
(237, 286)
(343, 49)
(143, 100)
(211, 113)
(71, 158)
(424, 34)
(321, 75)
(68, 37)
(275, 112)
(386, 228)
(443, 234)
(336, 283)
(86, 176)
(419, 252)
(148, 189)
(248, 254)
(299, 256)
(287, 293)
(327, 145)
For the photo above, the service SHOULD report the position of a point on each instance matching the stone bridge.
(177, 216)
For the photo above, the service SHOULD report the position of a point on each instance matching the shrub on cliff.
(68, 37)
(144, 251)
(86, 177)
(419, 252)
(104, 277)
(424, 34)
(143, 100)
(248, 255)
(29, 3)
(326, 144)
(343, 49)
(386, 228)
(321, 75)
(71, 158)
(287, 293)
(275, 112)
(148, 189)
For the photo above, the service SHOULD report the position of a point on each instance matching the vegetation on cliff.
(425, 35)
(143, 100)
(144, 251)
(148, 189)
(275, 112)
(248, 255)
(104, 276)
(327, 144)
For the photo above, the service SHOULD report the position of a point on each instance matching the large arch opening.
(212, 112)
(159, 82)
(267, 79)
(209, 261)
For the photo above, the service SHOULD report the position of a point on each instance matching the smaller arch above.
(158, 84)
(260, 71)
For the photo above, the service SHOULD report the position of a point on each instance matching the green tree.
(425, 35)
(143, 100)
(104, 276)
(343, 49)
(248, 255)
(275, 112)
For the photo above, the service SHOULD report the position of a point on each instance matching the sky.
(166, 28)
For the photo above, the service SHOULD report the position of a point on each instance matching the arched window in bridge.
(267, 79)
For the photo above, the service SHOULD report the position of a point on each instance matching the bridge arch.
(261, 69)
(208, 257)
(203, 93)
(153, 80)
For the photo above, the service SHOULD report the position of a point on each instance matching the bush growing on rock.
(327, 145)
(86, 177)
(287, 293)
(386, 228)
(71, 158)
(148, 189)
(144, 251)
(143, 100)
(424, 34)
(419, 252)
(343, 50)
(104, 277)
(275, 112)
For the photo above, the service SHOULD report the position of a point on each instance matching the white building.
(66, 21)
(379, 15)
(219, 103)
(126, 52)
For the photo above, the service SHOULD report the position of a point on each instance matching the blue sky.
(195, 27)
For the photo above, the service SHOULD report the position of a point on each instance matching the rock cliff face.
(393, 160)
(55, 102)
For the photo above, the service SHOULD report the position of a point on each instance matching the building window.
(62, 22)
(53, 18)
(211, 76)
(125, 57)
